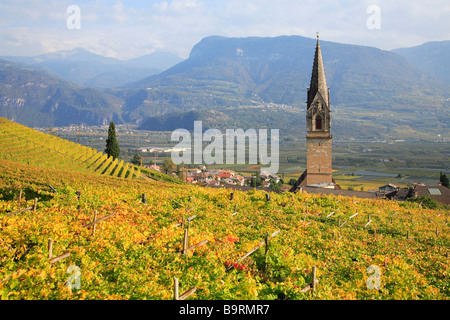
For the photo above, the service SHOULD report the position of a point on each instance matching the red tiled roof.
(224, 175)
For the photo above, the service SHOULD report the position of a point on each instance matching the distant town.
(216, 177)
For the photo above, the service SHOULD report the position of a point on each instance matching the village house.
(274, 178)
(247, 179)
(267, 176)
(388, 188)
(189, 179)
(211, 183)
(439, 193)
(213, 171)
(238, 180)
(201, 176)
(228, 181)
(225, 175)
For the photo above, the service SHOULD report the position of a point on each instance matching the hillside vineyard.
(20, 143)
(71, 232)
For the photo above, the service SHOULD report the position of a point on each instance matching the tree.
(256, 180)
(443, 179)
(274, 185)
(168, 165)
(112, 146)
(426, 201)
(292, 181)
(136, 160)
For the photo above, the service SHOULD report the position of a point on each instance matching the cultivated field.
(70, 232)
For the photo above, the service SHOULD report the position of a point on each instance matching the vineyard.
(75, 225)
(91, 236)
(23, 144)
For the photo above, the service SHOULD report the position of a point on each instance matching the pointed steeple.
(318, 129)
(318, 81)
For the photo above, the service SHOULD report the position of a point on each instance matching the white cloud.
(126, 29)
(119, 15)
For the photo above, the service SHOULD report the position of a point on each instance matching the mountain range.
(35, 98)
(253, 81)
(88, 69)
(432, 57)
(240, 71)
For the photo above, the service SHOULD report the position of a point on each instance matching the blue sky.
(131, 28)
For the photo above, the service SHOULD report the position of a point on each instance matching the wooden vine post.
(311, 286)
(35, 205)
(184, 295)
(19, 211)
(351, 217)
(94, 222)
(78, 193)
(50, 247)
(265, 253)
(265, 242)
(50, 253)
(197, 245)
(175, 289)
(186, 247)
(368, 221)
(185, 241)
(98, 220)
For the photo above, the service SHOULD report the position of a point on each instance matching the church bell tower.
(318, 129)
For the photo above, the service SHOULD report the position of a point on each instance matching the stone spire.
(318, 81)
(318, 130)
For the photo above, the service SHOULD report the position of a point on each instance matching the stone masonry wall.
(318, 161)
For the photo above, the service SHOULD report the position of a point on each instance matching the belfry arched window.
(318, 122)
